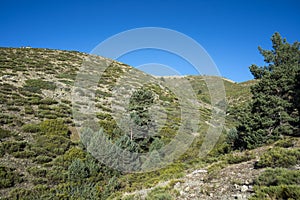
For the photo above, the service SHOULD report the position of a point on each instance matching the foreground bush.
(278, 176)
(277, 184)
(279, 157)
(159, 194)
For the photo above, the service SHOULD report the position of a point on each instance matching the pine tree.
(142, 126)
(274, 109)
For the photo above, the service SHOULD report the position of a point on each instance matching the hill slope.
(41, 155)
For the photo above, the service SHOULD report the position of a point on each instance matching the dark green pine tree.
(142, 125)
(274, 110)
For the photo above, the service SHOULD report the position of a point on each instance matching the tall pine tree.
(274, 109)
(142, 125)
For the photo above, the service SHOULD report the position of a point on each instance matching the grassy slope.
(36, 87)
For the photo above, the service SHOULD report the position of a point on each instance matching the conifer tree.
(274, 109)
(142, 126)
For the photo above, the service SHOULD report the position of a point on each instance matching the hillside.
(43, 155)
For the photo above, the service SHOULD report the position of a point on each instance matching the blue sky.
(229, 30)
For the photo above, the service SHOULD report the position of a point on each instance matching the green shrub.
(279, 157)
(6, 119)
(87, 170)
(159, 194)
(77, 171)
(36, 85)
(37, 171)
(285, 143)
(104, 116)
(290, 192)
(8, 177)
(41, 159)
(108, 126)
(28, 110)
(231, 136)
(37, 192)
(67, 76)
(95, 170)
(39, 180)
(156, 145)
(205, 99)
(31, 128)
(14, 146)
(52, 144)
(137, 181)
(24, 154)
(278, 176)
(277, 183)
(51, 138)
(100, 93)
(4, 133)
(57, 175)
(48, 101)
(35, 101)
(13, 108)
(102, 107)
(76, 191)
(220, 149)
(54, 127)
(234, 159)
(72, 154)
(39, 150)
(112, 186)
(2, 150)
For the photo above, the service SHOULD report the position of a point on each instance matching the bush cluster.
(277, 184)
(8, 177)
(279, 157)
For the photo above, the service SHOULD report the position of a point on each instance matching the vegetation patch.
(4, 133)
(277, 183)
(238, 158)
(279, 157)
(37, 85)
(8, 177)
(160, 193)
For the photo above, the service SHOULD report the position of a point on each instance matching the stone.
(236, 186)
(177, 185)
(187, 189)
(244, 188)
(199, 171)
(250, 188)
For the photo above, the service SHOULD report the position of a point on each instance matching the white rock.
(199, 171)
(193, 195)
(187, 189)
(250, 188)
(244, 188)
(236, 186)
(177, 185)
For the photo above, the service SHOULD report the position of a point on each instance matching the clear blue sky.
(230, 31)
